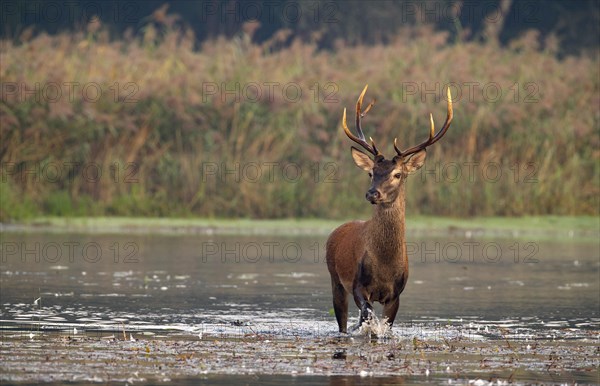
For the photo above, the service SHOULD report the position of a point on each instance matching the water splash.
(375, 327)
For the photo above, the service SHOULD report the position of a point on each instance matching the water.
(171, 291)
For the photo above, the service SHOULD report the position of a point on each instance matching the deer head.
(389, 175)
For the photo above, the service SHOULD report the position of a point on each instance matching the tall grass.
(170, 141)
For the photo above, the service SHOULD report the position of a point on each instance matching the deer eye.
(397, 175)
(370, 175)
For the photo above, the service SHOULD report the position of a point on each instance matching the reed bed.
(160, 125)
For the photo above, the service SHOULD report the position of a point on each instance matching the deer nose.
(372, 195)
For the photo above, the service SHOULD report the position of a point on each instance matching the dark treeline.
(575, 23)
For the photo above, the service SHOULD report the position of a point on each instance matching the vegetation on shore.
(151, 126)
(575, 228)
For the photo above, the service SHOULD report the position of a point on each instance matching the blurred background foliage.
(142, 108)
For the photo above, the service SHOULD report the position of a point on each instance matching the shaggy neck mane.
(386, 229)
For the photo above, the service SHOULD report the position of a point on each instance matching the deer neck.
(386, 231)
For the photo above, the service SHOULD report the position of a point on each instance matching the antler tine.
(433, 138)
(362, 115)
(361, 136)
(373, 145)
(396, 147)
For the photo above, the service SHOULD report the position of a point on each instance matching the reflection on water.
(199, 286)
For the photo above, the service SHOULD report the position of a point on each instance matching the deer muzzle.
(373, 196)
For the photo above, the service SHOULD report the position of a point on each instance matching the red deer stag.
(368, 259)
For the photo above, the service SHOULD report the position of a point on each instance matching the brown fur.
(368, 258)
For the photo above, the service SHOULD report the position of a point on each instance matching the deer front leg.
(390, 309)
(366, 309)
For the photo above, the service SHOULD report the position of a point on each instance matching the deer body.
(368, 259)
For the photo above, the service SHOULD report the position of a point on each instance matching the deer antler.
(361, 136)
(432, 139)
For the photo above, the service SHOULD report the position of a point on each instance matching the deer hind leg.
(340, 305)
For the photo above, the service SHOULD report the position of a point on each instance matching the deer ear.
(362, 160)
(415, 162)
